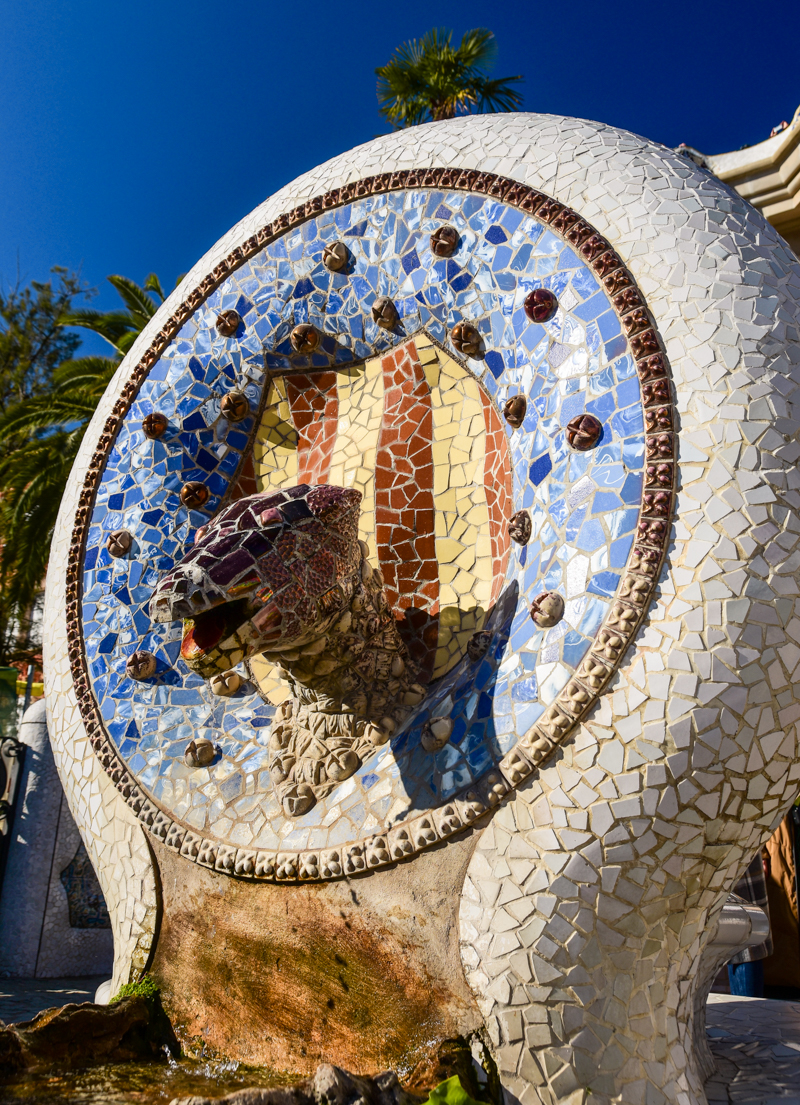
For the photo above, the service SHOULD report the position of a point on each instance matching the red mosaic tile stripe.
(404, 508)
(314, 404)
(497, 481)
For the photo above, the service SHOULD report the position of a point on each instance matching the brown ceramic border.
(611, 642)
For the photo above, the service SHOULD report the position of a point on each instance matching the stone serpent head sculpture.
(284, 575)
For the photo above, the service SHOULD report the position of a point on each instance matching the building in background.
(766, 175)
(53, 918)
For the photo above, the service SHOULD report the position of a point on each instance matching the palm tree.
(121, 328)
(429, 78)
(42, 434)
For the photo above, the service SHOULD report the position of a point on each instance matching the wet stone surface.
(22, 998)
(142, 1083)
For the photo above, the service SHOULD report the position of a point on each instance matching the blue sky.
(133, 135)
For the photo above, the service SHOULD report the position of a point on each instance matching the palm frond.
(135, 298)
(121, 328)
(42, 416)
(111, 325)
(126, 341)
(78, 386)
(477, 49)
(496, 95)
(85, 372)
(32, 489)
(41, 436)
(153, 284)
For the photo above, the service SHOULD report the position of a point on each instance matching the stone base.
(364, 972)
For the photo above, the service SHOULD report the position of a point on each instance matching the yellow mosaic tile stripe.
(360, 391)
(275, 465)
(463, 547)
(353, 461)
(275, 449)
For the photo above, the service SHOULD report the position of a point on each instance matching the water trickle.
(137, 1083)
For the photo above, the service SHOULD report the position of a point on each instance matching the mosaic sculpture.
(476, 489)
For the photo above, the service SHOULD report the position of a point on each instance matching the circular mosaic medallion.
(499, 413)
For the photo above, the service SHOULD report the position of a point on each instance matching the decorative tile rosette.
(572, 702)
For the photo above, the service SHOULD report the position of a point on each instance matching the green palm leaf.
(41, 436)
(94, 373)
(32, 483)
(126, 341)
(153, 284)
(122, 328)
(77, 388)
(136, 299)
(111, 325)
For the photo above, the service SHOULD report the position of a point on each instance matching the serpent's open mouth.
(203, 633)
(227, 628)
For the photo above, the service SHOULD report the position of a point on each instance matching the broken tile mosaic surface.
(584, 506)
(611, 864)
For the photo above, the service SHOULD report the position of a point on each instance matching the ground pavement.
(756, 1043)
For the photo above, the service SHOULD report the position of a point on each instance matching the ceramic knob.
(335, 256)
(199, 753)
(154, 425)
(514, 410)
(540, 305)
(478, 645)
(141, 665)
(119, 542)
(235, 406)
(228, 323)
(304, 338)
(444, 241)
(583, 432)
(384, 313)
(547, 609)
(226, 683)
(194, 494)
(520, 527)
(467, 339)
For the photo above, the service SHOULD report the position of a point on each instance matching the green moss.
(145, 988)
(158, 1030)
(450, 1092)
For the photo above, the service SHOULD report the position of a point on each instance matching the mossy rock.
(145, 988)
